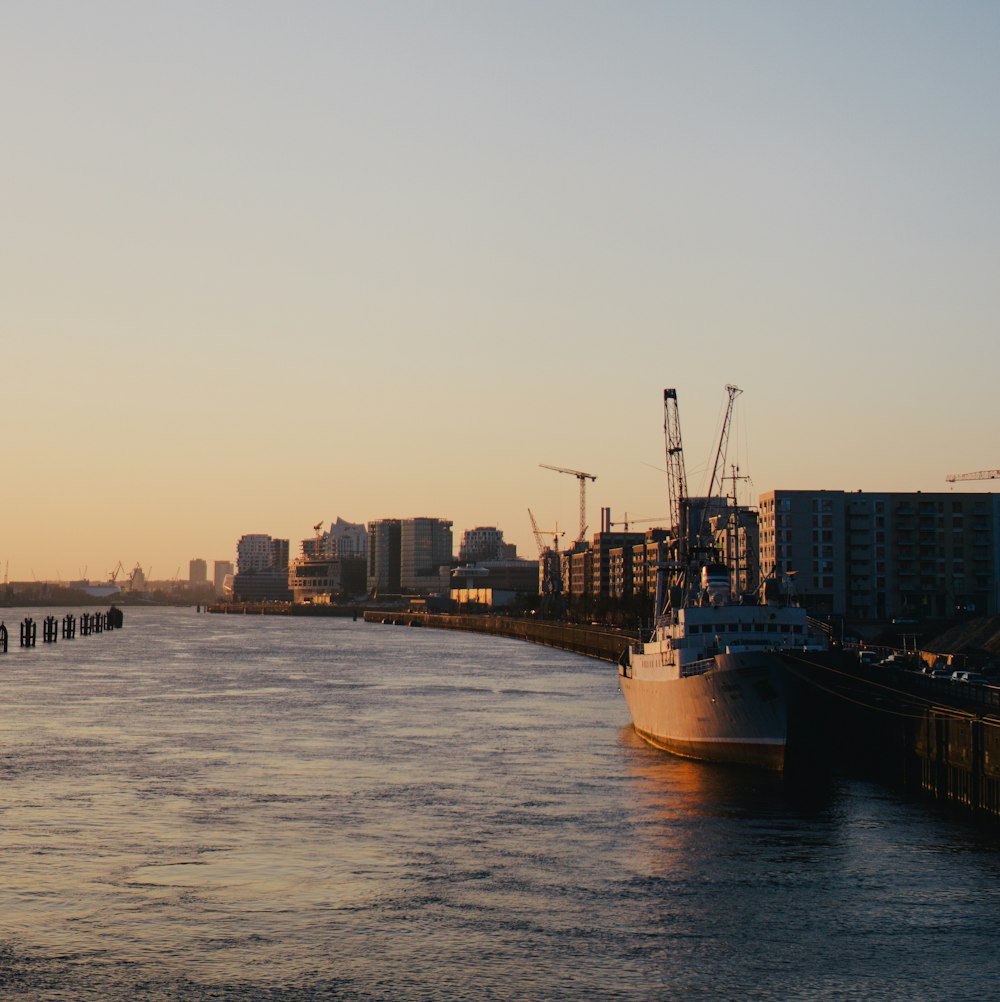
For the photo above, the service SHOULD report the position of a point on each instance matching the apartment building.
(878, 556)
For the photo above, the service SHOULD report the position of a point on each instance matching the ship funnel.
(715, 583)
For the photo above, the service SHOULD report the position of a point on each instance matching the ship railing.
(696, 667)
(819, 626)
(624, 663)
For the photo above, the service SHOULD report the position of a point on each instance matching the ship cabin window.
(784, 627)
(694, 628)
(758, 627)
(797, 628)
(772, 627)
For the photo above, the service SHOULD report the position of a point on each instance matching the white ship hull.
(737, 711)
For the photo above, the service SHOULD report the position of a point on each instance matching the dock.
(930, 735)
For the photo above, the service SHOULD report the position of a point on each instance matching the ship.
(710, 681)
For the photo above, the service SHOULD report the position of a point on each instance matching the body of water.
(234, 807)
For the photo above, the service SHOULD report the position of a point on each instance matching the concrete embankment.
(604, 643)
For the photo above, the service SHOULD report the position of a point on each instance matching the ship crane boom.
(719, 465)
(676, 476)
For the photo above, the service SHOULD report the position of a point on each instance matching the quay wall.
(933, 736)
(282, 609)
(604, 643)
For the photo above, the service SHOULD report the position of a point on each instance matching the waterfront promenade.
(602, 642)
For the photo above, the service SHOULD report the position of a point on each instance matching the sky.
(266, 263)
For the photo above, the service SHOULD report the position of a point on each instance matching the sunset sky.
(264, 263)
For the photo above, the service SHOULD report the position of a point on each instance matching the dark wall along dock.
(930, 735)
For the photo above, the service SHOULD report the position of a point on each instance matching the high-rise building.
(426, 555)
(411, 556)
(350, 539)
(384, 556)
(342, 539)
(198, 571)
(261, 569)
(259, 552)
(221, 569)
(485, 542)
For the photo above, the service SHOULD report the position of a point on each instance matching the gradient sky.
(269, 263)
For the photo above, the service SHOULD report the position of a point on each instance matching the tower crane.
(637, 521)
(548, 559)
(981, 475)
(583, 478)
(539, 542)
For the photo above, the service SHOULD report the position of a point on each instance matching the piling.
(69, 627)
(29, 632)
(3, 638)
(50, 630)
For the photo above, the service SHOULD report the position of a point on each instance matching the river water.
(240, 807)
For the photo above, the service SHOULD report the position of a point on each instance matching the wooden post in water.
(3, 638)
(29, 632)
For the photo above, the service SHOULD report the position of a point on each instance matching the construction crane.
(548, 559)
(583, 478)
(637, 521)
(539, 542)
(981, 475)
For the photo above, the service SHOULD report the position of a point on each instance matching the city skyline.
(384, 260)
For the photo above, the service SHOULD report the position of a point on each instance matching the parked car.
(973, 677)
(895, 661)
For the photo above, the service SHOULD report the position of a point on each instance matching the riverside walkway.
(603, 642)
